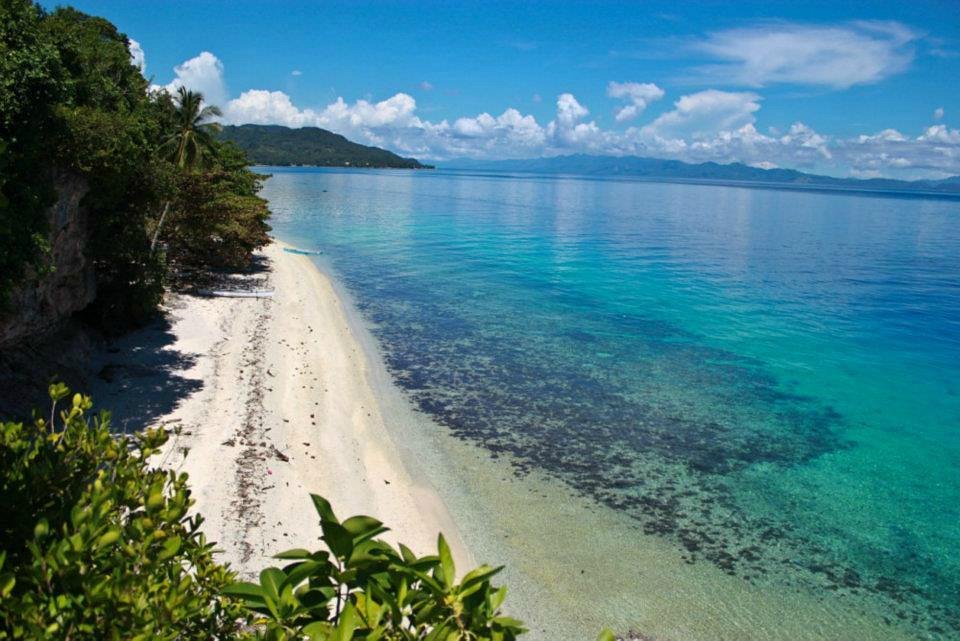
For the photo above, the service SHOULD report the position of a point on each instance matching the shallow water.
(738, 406)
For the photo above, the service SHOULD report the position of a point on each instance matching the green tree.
(193, 142)
(110, 131)
(30, 87)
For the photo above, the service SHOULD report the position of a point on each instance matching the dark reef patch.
(649, 421)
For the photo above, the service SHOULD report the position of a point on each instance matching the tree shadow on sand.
(141, 376)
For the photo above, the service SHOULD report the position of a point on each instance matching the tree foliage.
(361, 587)
(193, 142)
(97, 544)
(72, 102)
(30, 85)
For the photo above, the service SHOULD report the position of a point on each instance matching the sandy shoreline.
(272, 399)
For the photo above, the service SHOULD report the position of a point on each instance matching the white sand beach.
(272, 401)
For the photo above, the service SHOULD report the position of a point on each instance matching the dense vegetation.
(276, 145)
(98, 544)
(72, 104)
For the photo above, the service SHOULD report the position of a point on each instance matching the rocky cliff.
(66, 285)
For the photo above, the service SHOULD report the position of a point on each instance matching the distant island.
(675, 170)
(277, 145)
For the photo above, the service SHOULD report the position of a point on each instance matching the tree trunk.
(156, 233)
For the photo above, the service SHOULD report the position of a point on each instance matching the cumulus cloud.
(275, 107)
(203, 73)
(638, 94)
(567, 131)
(940, 133)
(938, 113)
(137, 58)
(707, 125)
(934, 153)
(705, 113)
(832, 56)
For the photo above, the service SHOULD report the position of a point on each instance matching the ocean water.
(702, 412)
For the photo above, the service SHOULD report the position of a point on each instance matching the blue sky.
(845, 88)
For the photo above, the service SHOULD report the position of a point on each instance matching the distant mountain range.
(675, 170)
(276, 145)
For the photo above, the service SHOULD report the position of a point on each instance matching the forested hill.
(276, 145)
(675, 170)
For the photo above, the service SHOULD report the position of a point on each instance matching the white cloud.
(940, 133)
(296, 72)
(639, 94)
(261, 107)
(832, 56)
(569, 111)
(426, 85)
(567, 131)
(203, 73)
(938, 113)
(137, 58)
(934, 153)
(704, 114)
(707, 125)
(887, 135)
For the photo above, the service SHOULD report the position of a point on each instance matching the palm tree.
(191, 144)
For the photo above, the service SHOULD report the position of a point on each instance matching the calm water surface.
(764, 383)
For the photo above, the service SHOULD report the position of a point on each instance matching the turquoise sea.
(697, 411)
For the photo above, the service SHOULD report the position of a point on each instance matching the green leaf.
(7, 581)
(447, 568)
(424, 578)
(170, 547)
(41, 529)
(407, 553)
(323, 508)
(606, 635)
(244, 590)
(108, 538)
(294, 554)
(496, 599)
(367, 552)
(479, 575)
(318, 630)
(300, 572)
(507, 622)
(337, 538)
(363, 528)
(58, 391)
(270, 581)
(347, 623)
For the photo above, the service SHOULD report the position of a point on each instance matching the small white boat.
(224, 293)
(302, 252)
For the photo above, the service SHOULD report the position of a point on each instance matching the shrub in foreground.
(97, 544)
(363, 588)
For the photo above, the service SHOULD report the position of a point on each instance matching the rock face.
(44, 301)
